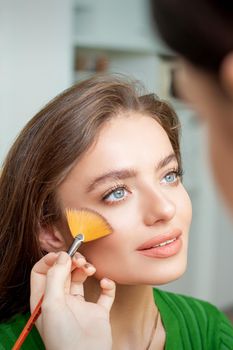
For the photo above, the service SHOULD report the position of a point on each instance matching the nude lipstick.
(162, 246)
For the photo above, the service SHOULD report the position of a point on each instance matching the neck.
(132, 316)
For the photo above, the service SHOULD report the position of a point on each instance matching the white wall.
(35, 60)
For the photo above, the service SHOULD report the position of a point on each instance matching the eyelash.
(112, 190)
(177, 171)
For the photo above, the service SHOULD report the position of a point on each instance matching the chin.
(162, 272)
(170, 275)
(166, 276)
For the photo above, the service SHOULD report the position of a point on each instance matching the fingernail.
(62, 258)
(80, 261)
(107, 279)
(77, 256)
(87, 265)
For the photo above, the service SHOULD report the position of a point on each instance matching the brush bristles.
(88, 222)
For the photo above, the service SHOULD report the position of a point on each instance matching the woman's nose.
(157, 206)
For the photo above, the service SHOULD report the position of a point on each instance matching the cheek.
(103, 249)
(110, 253)
(124, 219)
(106, 255)
(184, 209)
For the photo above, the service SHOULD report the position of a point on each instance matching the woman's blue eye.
(116, 195)
(171, 177)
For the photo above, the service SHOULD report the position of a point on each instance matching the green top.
(193, 324)
(189, 324)
(9, 332)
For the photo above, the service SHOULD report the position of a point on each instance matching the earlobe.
(51, 240)
(226, 74)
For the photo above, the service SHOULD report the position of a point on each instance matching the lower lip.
(166, 251)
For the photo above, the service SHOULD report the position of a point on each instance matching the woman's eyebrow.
(123, 174)
(165, 161)
(111, 175)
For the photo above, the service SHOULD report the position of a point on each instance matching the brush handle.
(37, 311)
(27, 328)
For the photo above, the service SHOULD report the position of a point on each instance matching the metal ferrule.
(76, 244)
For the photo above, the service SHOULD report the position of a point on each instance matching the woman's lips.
(162, 246)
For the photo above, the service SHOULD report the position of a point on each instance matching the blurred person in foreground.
(201, 32)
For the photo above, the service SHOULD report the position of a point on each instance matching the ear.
(226, 74)
(51, 239)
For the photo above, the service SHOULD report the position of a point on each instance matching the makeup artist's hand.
(67, 321)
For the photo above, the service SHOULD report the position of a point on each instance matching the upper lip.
(175, 233)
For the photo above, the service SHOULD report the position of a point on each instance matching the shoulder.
(11, 329)
(202, 309)
(201, 317)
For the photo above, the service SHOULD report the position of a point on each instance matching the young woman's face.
(131, 177)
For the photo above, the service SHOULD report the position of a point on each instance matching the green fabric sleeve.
(10, 331)
(225, 340)
(192, 324)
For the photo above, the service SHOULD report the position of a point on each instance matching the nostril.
(164, 211)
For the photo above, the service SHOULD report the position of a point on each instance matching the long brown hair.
(41, 157)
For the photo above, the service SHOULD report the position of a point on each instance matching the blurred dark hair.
(199, 30)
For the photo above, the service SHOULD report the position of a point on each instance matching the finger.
(38, 277)
(83, 266)
(56, 281)
(107, 295)
(80, 274)
(43, 265)
(78, 260)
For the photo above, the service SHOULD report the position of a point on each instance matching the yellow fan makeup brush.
(85, 225)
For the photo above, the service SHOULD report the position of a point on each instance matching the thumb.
(56, 279)
(107, 295)
(38, 277)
